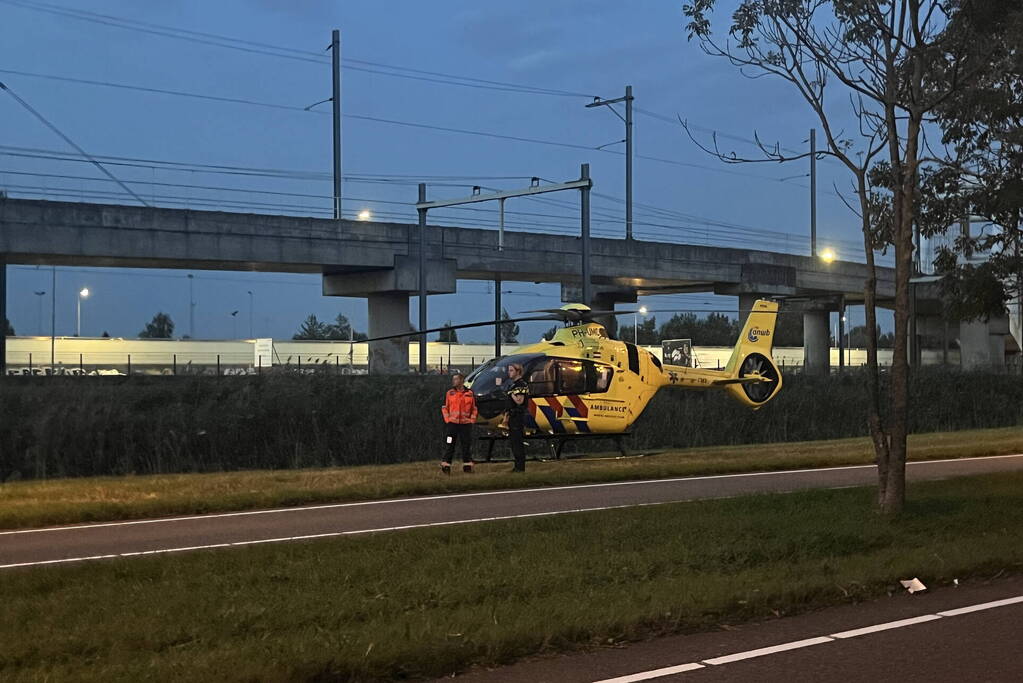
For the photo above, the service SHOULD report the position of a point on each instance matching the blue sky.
(589, 48)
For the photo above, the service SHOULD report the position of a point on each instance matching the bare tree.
(862, 61)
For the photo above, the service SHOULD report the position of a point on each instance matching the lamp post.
(82, 294)
(40, 295)
(234, 324)
(250, 314)
(635, 324)
(191, 308)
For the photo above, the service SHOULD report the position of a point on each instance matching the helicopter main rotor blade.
(485, 323)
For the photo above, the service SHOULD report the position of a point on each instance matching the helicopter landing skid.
(555, 442)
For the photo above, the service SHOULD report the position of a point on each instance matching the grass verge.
(94, 499)
(431, 602)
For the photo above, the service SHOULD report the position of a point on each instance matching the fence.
(115, 356)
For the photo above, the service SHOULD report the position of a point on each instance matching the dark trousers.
(516, 436)
(462, 435)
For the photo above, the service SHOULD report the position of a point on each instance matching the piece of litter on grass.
(913, 585)
(955, 582)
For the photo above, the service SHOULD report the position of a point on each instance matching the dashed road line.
(809, 642)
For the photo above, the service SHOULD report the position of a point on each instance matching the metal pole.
(3, 315)
(500, 225)
(628, 162)
(250, 316)
(335, 48)
(813, 192)
(497, 316)
(191, 309)
(39, 295)
(584, 212)
(422, 279)
(78, 315)
(841, 333)
(635, 329)
(53, 320)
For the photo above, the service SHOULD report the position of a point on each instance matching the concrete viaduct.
(379, 261)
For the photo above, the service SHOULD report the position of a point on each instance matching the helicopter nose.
(491, 404)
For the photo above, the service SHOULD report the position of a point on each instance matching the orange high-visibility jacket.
(459, 407)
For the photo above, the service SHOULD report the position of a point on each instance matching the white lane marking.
(306, 537)
(809, 642)
(657, 673)
(761, 652)
(981, 606)
(503, 492)
(885, 627)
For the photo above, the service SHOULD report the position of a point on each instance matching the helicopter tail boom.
(750, 376)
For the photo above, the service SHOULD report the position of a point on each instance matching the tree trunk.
(875, 422)
(895, 487)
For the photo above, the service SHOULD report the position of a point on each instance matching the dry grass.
(60, 501)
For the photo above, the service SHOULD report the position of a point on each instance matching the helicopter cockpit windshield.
(491, 376)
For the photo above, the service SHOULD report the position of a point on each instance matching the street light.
(40, 295)
(828, 255)
(635, 325)
(365, 215)
(83, 294)
(250, 314)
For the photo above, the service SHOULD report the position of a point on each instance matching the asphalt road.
(53, 545)
(920, 638)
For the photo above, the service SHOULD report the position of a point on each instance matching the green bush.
(61, 427)
(812, 408)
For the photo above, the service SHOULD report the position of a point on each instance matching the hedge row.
(60, 427)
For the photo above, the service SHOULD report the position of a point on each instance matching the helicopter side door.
(561, 391)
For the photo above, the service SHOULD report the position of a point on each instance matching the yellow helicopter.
(582, 382)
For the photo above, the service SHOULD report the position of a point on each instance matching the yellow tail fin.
(751, 357)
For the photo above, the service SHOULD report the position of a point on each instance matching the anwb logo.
(755, 334)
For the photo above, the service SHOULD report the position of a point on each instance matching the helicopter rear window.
(542, 377)
(572, 375)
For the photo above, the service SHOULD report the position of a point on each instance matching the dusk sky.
(565, 52)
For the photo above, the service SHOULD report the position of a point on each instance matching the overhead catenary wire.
(407, 124)
(42, 119)
(254, 47)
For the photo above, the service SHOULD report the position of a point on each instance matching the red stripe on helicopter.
(580, 405)
(554, 403)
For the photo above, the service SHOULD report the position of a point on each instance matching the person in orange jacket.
(459, 416)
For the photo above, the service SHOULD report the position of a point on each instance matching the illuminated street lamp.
(635, 325)
(828, 255)
(83, 294)
(365, 215)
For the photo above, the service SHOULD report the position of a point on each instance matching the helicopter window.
(598, 378)
(572, 377)
(656, 361)
(633, 353)
(494, 374)
(541, 376)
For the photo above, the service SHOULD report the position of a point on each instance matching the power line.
(254, 47)
(68, 140)
(394, 122)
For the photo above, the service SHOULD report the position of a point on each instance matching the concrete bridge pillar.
(982, 344)
(816, 343)
(388, 314)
